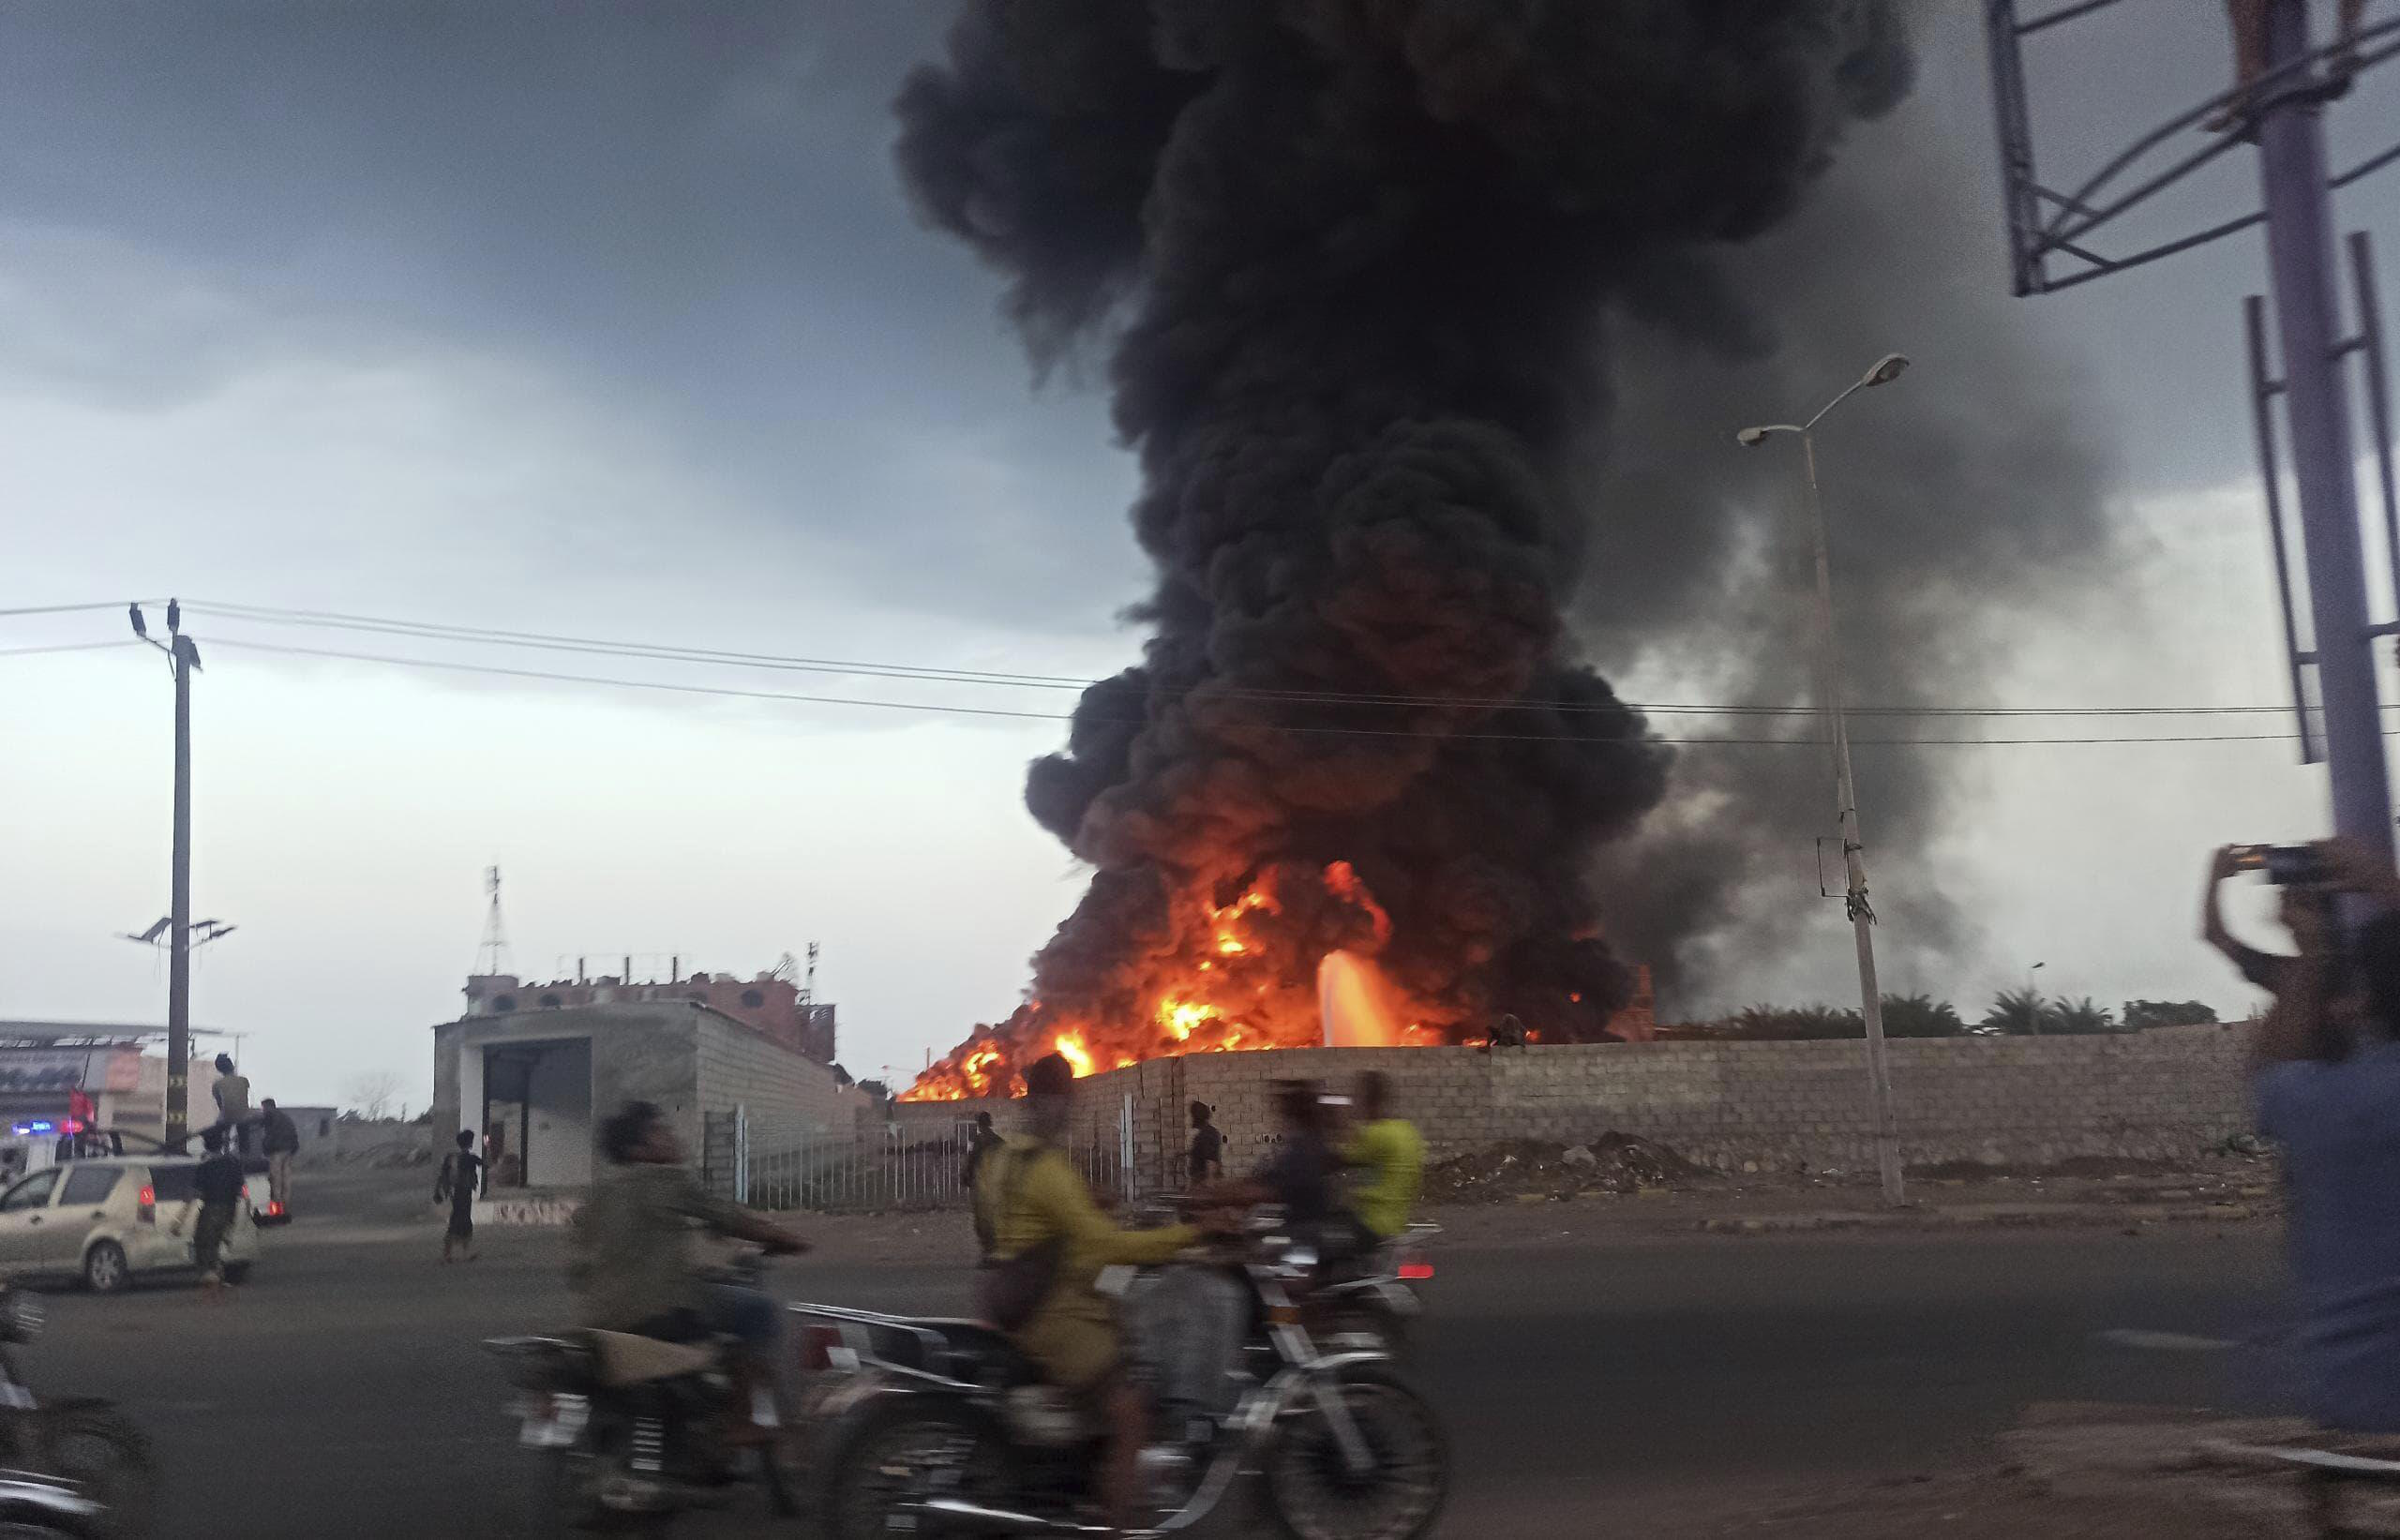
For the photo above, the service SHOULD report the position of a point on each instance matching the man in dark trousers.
(217, 1186)
(981, 1142)
(460, 1182)
(1207, 1146)
(281, 1141)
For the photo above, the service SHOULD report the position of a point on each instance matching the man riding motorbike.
(1390, 1153)
(631, 1264)
(1040, 1209)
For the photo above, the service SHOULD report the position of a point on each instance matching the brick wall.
(2162, 1093)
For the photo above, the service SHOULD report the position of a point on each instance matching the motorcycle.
(630, 1427)
(69, 1467)
(943, 1428)
(1373, 1304)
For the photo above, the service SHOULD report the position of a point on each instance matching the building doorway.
(537, 1113)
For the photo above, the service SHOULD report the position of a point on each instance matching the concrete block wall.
(1772, 1106)
(738, 1066)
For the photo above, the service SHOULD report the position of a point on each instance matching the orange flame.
(1239, 975)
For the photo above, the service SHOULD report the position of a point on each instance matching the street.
(344, 1393)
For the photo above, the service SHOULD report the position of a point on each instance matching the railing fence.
(773, 1163)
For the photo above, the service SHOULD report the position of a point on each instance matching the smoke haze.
(1425, 318)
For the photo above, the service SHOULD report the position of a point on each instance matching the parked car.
(110, 1219)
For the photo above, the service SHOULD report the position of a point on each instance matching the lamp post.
(1829, 701)
(184, 657)
(2033, 1000)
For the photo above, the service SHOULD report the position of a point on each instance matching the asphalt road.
(343, 1393)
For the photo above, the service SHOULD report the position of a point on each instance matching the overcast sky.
(612, 320)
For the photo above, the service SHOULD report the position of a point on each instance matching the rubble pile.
(1528, 1170)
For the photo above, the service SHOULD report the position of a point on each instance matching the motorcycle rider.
(632, 1267)
(1036, 1198)
(1390, 1154)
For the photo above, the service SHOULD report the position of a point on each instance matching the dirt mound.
(1531, 1169)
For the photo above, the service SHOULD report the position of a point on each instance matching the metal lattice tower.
(491, 957)
(2332, 671)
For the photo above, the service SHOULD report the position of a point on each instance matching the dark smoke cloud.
(1357, 260)
(1967, 505)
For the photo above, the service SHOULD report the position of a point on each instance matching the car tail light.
(148, 1211)
(817, 1346)
(273, 1209)
(1416, 1270)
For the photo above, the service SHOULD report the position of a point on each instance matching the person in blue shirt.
(2326, 1076)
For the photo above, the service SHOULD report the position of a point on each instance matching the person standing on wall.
(232, 1097)
(460, 1183)
(280, 1139)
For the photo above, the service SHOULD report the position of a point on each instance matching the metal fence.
(771, 1165)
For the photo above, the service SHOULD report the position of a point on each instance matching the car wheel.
(237, 1272)
(105, 1270)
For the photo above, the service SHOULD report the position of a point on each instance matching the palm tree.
(2018, 1012)
(2083, 1016)
(1921, 1016)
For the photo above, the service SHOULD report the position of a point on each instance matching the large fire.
(1288, 963)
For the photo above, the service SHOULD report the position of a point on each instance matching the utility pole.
(2282, 108)
(1854, 850)
(1854, 844)
(2300, 254)
(184, 657)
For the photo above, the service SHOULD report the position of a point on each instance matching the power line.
(74, 610)
(603, 647)
(791, 697)
(66, 647)
(981, 677)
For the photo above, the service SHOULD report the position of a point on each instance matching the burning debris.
(1355, 259)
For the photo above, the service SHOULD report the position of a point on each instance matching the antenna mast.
(492, 956)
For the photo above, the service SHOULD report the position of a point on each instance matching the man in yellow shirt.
(1390, 1158)
(1035, 1197)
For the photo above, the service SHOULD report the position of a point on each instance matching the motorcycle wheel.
(1310, 1489)
(899, 1455)
(102, 1451)
(571, 1494)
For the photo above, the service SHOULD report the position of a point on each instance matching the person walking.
(280, 1139)
(981, 1142)
(217, 1186)
(460, 1183)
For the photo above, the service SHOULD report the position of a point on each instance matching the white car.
(110, 1220)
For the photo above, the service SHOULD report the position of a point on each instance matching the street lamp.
(183, 656)
(1862, 916)
(2033, 1000)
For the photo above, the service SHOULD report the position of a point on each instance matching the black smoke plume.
(1357, 263)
